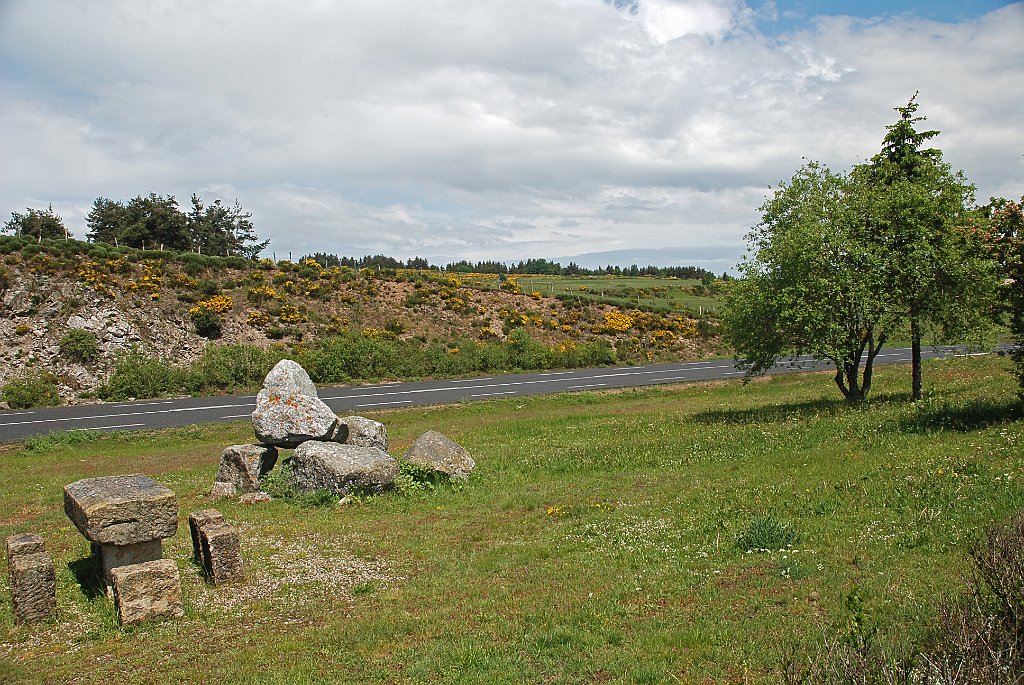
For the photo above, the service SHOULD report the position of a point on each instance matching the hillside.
(173, 306)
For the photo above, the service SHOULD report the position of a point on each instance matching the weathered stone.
(440, 454)
(114, 556)
(363, 432)
(222, 552)
(121, 510)
(23, 543)
(341, 468)
(289, 378)
(221, 490)
(4, 406)
(255, 498)
(147, 591)
(244, 465)
(33, 587)
(288, 420)
(196, 520)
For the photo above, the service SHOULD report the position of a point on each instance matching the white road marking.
(114, 416)
(383, 404)
(590, 385)
(103, 428)
(492, 394)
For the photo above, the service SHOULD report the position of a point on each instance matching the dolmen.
(340, 454)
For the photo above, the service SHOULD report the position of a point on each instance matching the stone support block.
(147, 591)
(33, 587)
(196, 521)
(222, 552)
(114, 556)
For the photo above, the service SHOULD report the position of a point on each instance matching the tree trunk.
(915, 357)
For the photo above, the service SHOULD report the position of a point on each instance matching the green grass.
(600, 539)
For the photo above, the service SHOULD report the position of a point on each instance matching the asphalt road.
(148, 414)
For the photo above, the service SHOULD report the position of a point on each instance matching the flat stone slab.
(342, 468)
(121, 510)
(146, 591)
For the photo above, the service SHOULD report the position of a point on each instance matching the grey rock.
(221, 490)
(111, 557)
(23, 543)
(121, 510)
(222, 552)
(255, 498)
(440, 454)
(245, 465)
(196, 520)
(4, 406)
(288, 377)
(342, 468)
(364, 432)
(288, 420)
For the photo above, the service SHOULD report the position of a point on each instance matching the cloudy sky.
(492, 129)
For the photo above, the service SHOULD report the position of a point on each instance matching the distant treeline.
(530, 266)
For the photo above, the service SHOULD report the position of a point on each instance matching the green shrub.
(79, 345)
(57, 439)
(766, 533)
(207, 322)
(136, 375)
(230, 367)
(31, 389)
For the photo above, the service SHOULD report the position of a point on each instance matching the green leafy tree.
(1005, 235)
(920, 216)
(143, 222)
(37, 223)
(223, 231)
(811, 283)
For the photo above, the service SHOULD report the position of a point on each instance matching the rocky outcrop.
(342, 468)
(438, 453)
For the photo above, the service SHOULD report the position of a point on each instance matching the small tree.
(919, 216)
(811, 284)
(1005, 234)
(37, 223)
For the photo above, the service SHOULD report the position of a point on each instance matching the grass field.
(595, 542)
(624, 291)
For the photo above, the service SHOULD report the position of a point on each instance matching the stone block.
(33, 587)
(23, 543)
(114, 556)
(342, 468)
(147, 591)
(245, 465)
(222, 490)
(222, 552)
(121, 510)
(196, 520)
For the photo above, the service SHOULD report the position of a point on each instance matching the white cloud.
(478, 128)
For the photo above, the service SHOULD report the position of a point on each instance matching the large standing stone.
(440, 454)
(245, 465)
(222, 552)
(196, 521)
(342, 468)
(147, 591)
(288, 411)
(121, 510)
(363, 432)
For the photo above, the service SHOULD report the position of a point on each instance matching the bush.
(230, 367)
(766, 533)
(136, 375)
(207, 322)
(31, 389)
(79, 345)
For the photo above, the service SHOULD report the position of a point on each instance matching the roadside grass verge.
(604, 537)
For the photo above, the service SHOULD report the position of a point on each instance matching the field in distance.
(672, 534)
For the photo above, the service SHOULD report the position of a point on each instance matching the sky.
(626, 130)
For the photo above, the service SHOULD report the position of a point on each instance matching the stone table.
(125, 518)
